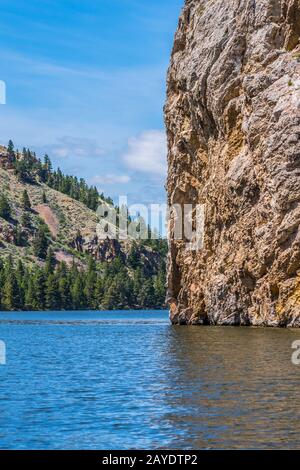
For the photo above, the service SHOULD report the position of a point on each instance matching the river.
(123, 380)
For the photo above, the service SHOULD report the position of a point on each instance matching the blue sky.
(86, 84)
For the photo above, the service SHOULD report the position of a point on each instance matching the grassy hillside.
(64, 217)
(49, 239)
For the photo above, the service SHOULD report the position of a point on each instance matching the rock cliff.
(233, 124)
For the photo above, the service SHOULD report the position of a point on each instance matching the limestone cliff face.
(233, 123)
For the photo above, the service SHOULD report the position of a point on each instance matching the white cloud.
(110, 179)
(148, 152)
(75, 147)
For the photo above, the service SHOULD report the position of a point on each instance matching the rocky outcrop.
(233, 124)
(108, 250)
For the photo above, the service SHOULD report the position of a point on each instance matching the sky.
(85, 83)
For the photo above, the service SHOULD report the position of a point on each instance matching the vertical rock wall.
(233, 124)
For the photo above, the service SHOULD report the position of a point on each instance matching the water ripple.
(131, 380)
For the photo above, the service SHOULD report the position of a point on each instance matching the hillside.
(47, 234)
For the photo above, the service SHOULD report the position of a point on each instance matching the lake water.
(123, 380)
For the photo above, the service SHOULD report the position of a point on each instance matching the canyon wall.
(233, 125)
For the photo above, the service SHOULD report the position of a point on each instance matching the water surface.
(122, 380)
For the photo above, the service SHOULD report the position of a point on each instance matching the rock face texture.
(233, 124)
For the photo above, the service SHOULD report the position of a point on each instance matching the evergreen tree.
(25, 220)
(11, 150)
(77, 293)
(10, 291)
(99, 293)
(134, 257)
(41, 242)
(64, 287)
(146, 294)
(47, 164)
(26, 204)
(51, 293)
(50, 262)
(30, 300)
(132, 280)
(160, 287)
(90, 282)
(5, 209)
(109, 297)
(19, 236)
(21, 171)
(39, 287)
(54, 286)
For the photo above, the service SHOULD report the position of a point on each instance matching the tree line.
(30, 169)
(59, 287)
(124, 282)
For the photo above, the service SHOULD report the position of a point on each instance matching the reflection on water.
(237, 388)
(131, 380)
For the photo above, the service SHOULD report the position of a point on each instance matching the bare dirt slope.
(48, 216)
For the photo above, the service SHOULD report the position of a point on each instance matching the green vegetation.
(10, 150)
(49, 258)
(26, 201)
(31, 169)
(55, 286)
(5, 209)
(41, 241)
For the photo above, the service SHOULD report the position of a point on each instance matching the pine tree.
(90, 282)
(47, 166)
(39, 287)
(160, 288)
(134, 257)
(10, 291)
(19, 237)
(50, 262)
(77, 293)
(11, 150)
(30, 301)
(51, 293)
(26, 204)
(108, 300)
(146, 297)
(63, 286)
(99, 293)
(25, 220)
(5, 209)
(137, 282)
(40, 242)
